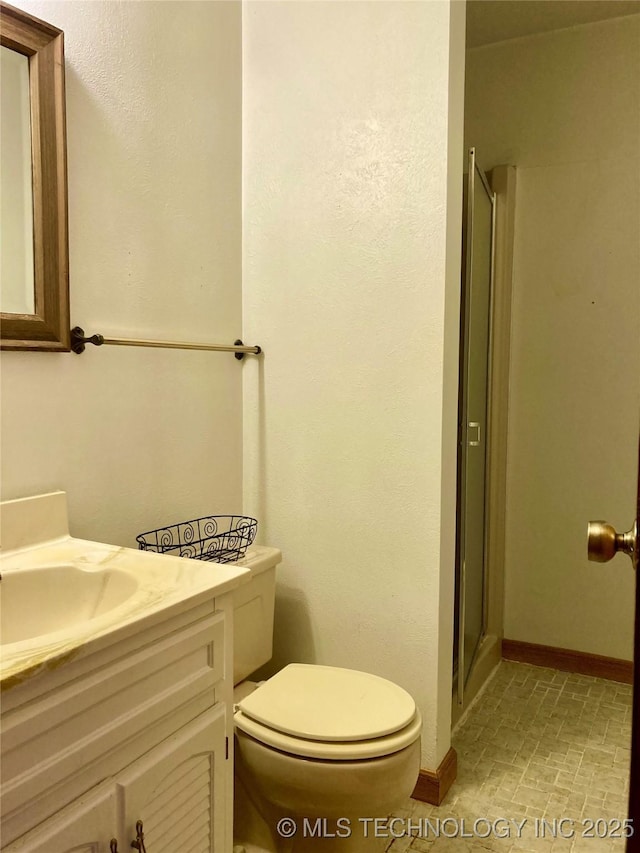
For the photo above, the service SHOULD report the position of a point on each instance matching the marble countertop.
(155, 583)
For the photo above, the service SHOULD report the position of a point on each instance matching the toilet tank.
(253, 606)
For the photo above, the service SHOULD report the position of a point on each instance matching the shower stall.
(474, 425)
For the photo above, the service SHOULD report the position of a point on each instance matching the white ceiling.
(496, 20)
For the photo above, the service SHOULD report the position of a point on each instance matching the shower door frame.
(474, 171)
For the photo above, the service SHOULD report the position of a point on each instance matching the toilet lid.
(329, 704)
(354, 750)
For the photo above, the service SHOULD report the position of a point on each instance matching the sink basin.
(63, 599)
(40, 601)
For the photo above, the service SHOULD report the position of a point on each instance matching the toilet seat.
(334, 750)
(330, 713)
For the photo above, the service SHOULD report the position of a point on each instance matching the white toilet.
(319, 751)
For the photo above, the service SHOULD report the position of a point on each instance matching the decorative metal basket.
(217, 538)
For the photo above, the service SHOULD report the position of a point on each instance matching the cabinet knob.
(113, 846)
(138, 844)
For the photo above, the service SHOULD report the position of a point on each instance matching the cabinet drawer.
(67, 741)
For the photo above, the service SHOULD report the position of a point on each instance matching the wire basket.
(217, 538)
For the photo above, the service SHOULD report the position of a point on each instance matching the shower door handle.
(475, 441)
(604, 543)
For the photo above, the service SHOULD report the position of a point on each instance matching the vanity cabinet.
(176, 792)
(137, 729)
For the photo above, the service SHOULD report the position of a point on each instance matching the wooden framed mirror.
(34, 312)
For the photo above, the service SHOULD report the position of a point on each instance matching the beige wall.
(141, 437)
(352, 195)
(352, 188)
(564, 107)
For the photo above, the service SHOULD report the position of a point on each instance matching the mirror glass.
(17, 294)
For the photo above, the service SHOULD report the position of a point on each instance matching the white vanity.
(117, 686)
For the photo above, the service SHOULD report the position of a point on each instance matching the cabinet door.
(177, 790)
(87, 826)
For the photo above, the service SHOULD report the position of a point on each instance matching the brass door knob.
(604, 543)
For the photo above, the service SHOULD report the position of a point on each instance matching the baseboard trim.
(432, 787)
(613, 669)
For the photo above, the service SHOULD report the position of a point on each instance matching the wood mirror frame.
(48, 328)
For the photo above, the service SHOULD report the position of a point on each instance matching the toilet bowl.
(320, 752)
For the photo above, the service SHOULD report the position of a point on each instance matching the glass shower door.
(473, 418)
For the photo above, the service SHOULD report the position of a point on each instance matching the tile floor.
(537, 745)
